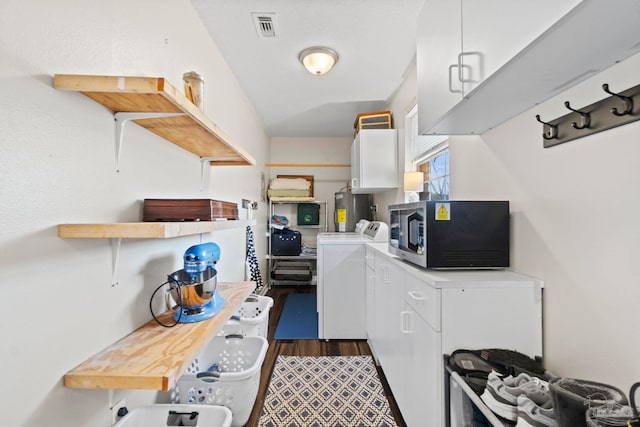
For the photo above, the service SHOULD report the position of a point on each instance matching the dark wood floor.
(305, 348)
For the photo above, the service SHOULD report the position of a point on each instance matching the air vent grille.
(265, 24)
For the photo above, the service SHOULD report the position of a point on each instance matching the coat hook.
(552, 130)
(586, 117)
(628, 102)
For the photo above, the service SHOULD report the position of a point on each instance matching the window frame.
(421, 149)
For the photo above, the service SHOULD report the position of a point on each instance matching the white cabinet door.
(492, 317)
(343, 289)
(374, 161)
(439, 41)
(390, 341)
(495, 31)
(423, 401)
(460, 43)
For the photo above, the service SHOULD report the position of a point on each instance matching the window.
(428, 154)
(436, 175)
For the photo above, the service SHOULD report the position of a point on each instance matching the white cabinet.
(423, 348)
(463, 42)
(388, 310)
(341, 291)
(420, 315)
(439, 41)
(374, 165)
(521, 45)
(496, 31)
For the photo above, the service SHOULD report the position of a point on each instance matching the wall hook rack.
(626, 100)
(615, 110)
(550, 131)
(585, 118)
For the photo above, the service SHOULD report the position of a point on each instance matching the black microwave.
(451, 234)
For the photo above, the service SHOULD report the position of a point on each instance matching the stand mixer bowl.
(193, 291)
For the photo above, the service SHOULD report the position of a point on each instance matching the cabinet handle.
(405, 315)
(462, 67)
(416, 296)
(385, 273)
(451, 89)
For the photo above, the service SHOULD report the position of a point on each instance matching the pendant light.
(318, 60)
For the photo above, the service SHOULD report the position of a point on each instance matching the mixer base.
(198, 314)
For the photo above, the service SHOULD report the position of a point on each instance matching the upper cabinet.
(156, 105)
(482, 62)
(374, 166)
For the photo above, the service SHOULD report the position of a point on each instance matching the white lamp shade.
(318, 60)
(414, 181)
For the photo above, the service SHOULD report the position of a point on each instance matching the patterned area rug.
(325, 391)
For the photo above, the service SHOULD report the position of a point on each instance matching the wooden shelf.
(297, 257)
(190, 129)
(309, 165)
(147, 230)
(154, 357)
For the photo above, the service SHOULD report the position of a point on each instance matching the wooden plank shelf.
(190, 128)
(154, 357)
(309, 165)
(147, 230)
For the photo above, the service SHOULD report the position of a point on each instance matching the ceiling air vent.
(265, 24)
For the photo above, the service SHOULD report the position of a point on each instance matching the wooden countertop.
(154, 357)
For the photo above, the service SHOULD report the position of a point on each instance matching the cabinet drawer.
(424, 299)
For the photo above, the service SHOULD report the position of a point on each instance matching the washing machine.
(342, 281)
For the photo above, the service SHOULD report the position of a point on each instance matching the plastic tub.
(162, 415)
(251, 319)
(572, 397)
(227, 373)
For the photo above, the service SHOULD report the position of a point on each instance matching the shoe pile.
(474, 366)
(522, 398)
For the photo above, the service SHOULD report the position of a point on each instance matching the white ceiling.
(375, 41)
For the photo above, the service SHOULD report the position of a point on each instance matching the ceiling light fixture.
(318, 60)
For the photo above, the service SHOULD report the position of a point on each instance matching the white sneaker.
(501, 394)
(535, 411)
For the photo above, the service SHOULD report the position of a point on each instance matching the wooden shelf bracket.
(121, 118)
(207, 161)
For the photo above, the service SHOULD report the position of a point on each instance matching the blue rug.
(299, 318)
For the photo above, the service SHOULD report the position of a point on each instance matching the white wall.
(574, 223)
(58, 167)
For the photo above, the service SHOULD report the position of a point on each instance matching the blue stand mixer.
(194, 287)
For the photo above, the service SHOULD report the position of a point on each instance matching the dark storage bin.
(299, 271)
(572, 397)
(286, 242)
(308, 214)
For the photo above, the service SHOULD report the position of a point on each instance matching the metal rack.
(461, 398)
(307, 260)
